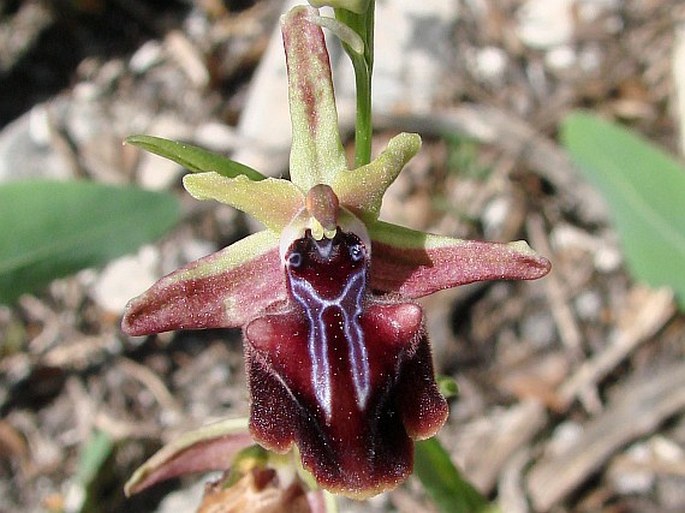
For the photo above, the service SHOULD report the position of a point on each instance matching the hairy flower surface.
(337, 357)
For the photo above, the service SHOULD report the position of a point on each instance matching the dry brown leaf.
(256, 492)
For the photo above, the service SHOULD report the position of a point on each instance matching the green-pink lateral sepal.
(316, 155)
(273, 202)
(361, 190)
(415, 264)
(223, 290)
(211, 447)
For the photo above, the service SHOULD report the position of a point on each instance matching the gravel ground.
(552, 374)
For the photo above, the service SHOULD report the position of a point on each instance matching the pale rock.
(26, 150)
(39, 125)
(667, 450)
(678, 72)
(590, 59)
(608, 258)
(565, 237)
(636, 477)
(543, 24)
(124, 278)
(495, 216)
(539, 329)
(414, 41)
(265, 121)
(146, 57)
(194, 249)
(561, 58)
(588, 305)
(490, 63)
(188, 58)
(217, 136)
(186, 499)
(564, 437)
(155, 172)
(591, 10)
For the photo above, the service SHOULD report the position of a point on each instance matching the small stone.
(590, 59)
(146, 57)
(39, 125)
(608, 259)
(591, 10)
(588, 305)
(495, 216)
(156, 173)
(26, 152)
(539, 329)
(188, 58)
(544, 24)
(125, 278)
(561, 58)
(490, 64)
(635, 476)
(194, 249)
(564, 437)
(186, 499)
(216, 136)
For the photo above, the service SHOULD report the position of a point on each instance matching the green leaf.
(443, 482)
(53, 229)
(93, 456)
(93, 474)
(645, 190)
(448, 386)
(193, 158)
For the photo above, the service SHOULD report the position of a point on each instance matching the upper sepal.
(223, 290)
(316, 154)
(416, 264)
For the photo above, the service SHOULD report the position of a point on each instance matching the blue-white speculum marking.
(327, 278)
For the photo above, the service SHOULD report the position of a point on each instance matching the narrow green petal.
(416, 264)
(317, 154)
(193, 158)
(361, 190)
(273, 202)
(223, 290)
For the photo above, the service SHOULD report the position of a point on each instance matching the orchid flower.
(337, 357)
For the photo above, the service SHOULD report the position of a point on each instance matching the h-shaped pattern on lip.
(349, 304)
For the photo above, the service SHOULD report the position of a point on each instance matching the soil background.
(570, 388)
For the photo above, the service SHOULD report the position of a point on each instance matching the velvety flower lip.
(341, 372)
(337, 357)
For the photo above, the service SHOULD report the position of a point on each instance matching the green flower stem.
(444, 483)
(362, 24)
